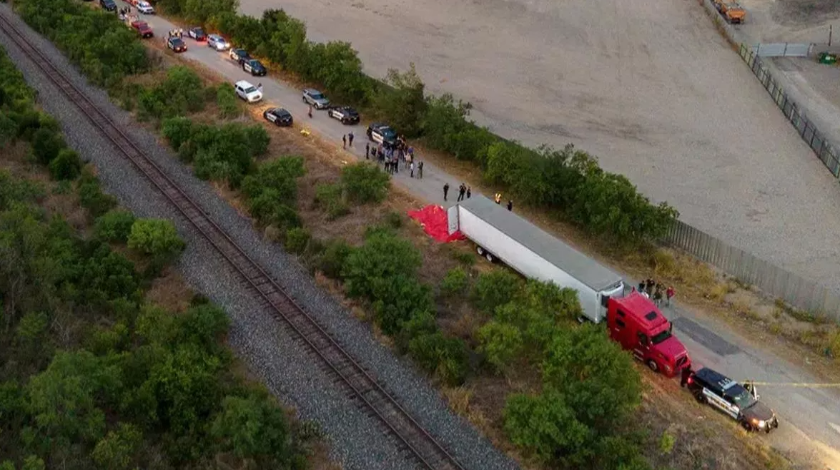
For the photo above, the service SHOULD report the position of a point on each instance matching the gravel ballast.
(288, 369)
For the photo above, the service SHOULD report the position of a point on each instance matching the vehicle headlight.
(761, 423)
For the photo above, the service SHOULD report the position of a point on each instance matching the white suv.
(247, 92)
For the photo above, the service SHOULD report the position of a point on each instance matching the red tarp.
(434, 222)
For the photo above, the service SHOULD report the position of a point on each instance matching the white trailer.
(501, 235)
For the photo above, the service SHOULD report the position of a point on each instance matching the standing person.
(420, 170)
(469, 191)
(649, 286)
(367, 151)
(657, 297)
(669, 294)
(412, 169)
(684, 375)
(350, 138)
(642, 286)
(310, 111)
(498, 198)
(343, 141)
(445, 190)
(461, 190)
(259, 87)
(510, 205)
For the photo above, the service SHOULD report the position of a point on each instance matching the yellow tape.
(795, 384)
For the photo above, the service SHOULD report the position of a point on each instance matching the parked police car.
(381, 133)
(738, 401)
(345, 114)
(278, 116)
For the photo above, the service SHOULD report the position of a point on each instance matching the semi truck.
(501, 235)
(634, 321)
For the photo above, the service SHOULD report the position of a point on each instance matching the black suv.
(738, 401)
(108, 5)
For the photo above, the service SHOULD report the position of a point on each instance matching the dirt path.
(649, 87)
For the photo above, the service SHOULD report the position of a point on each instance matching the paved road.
(810, 412)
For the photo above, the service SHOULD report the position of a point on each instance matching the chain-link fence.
(814, 138)
(772, 280)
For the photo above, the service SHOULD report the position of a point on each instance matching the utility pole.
(830, 28)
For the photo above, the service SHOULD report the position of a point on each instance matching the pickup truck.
(143, 29)
(731, 11)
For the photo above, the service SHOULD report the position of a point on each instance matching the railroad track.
(370, 395)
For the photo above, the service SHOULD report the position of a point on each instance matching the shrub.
(667, 442)
(155, 237)
(446, 128)
(46, 144)
(91, 196)
(500, 342)
(495, 288)
(66, 166)
(365, 182)
(331, 198)
(114, 226)
(297, 239)
(227, 101)
(177, 130)
(454, 283)
(382, 257)
(180, 93)
(333, 257)
(394, 220)
(446, 357)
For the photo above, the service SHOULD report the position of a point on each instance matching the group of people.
(177, 33)
(124, 13)
(656, 290)
(391, 155)
(498, 199)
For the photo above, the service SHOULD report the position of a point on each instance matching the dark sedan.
(279, 116)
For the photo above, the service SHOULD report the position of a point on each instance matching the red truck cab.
(639, 326)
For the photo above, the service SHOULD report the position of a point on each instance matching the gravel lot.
(648, 87)
(289, 371)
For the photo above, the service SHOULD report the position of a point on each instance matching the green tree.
(445, 127)
(404, 102)
(279, 175)
(254, 428)
(382, 257)
(33, 462)
(227, 101)
(156, 237)
(365, 182)
(547, 427)
(63, 400)
(596, 377)
(114, 226)
(91, 196)
(446, 357)
(117, 450)
(297, 239)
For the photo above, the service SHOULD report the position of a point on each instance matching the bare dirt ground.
(791, 20)
(648, 87)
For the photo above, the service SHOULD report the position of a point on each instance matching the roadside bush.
(330, 197)
(114, 226)
(454, 283)
(447, 358)
(365, 182)
(155, 237)
(180, 93)
(333, 257)
(501, 343)
(445, 127)
(383, 256)
(227, 101)
(91, 196)
(297, 239)
(46, 144)
(219, 153)
(495, 288)
(66, 166)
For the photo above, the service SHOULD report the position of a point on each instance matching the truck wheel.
(479, 250)
(700, 397)
(653, 365)
(746, 425)
(489, 257)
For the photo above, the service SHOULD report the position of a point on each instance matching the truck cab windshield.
(661, 336)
